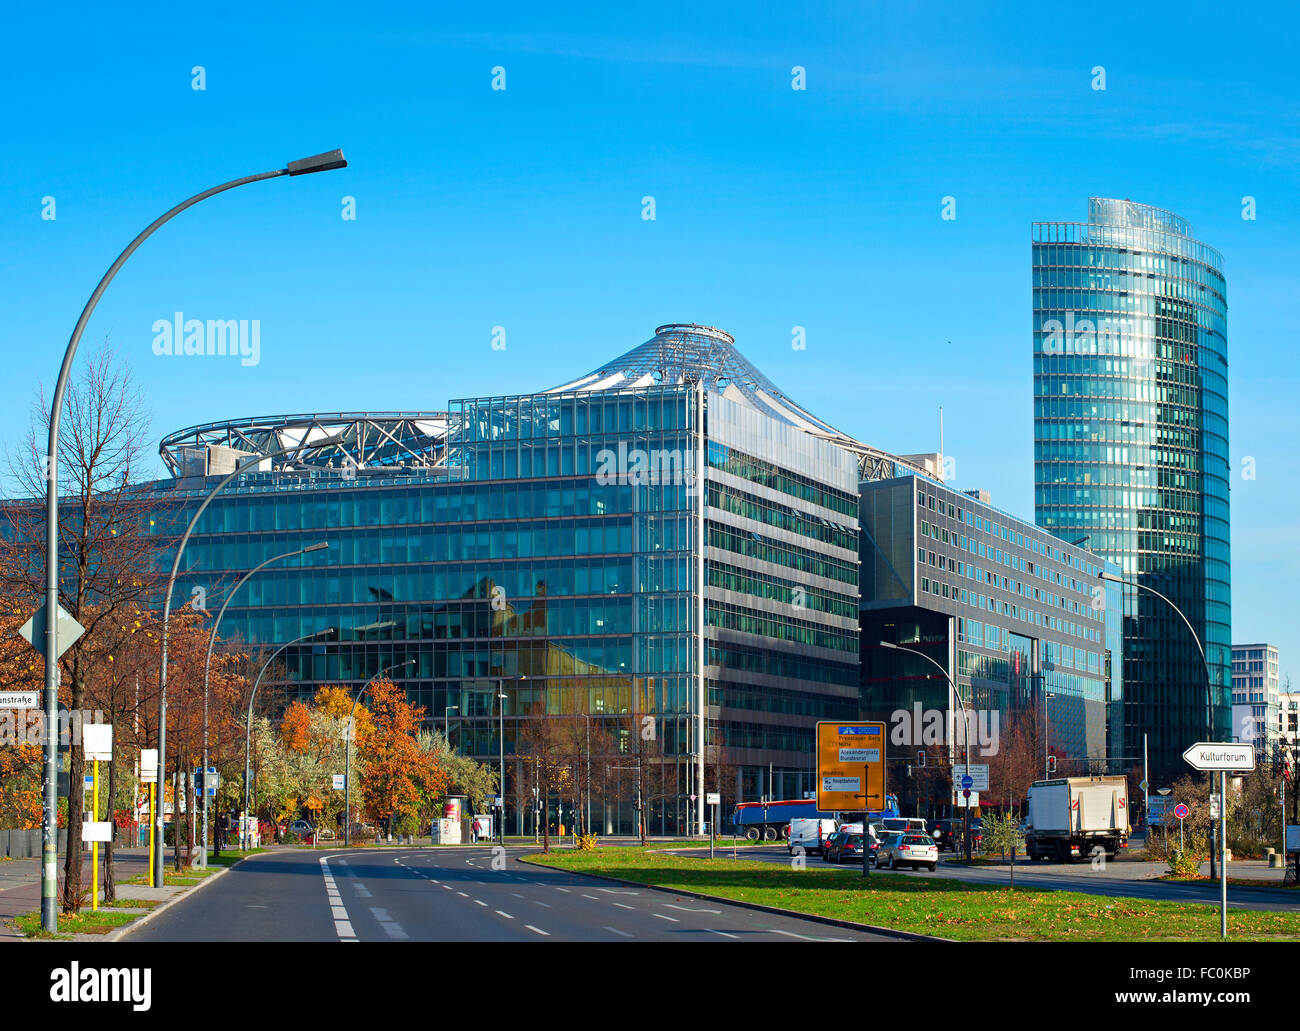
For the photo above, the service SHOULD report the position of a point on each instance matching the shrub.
(1185, 863)
(586, 842)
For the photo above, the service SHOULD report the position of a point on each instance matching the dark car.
(947, 833)
(847, 848)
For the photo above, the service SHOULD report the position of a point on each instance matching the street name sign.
(1215, 755)
(20, 699)
(850, 766)
(713, 798)
(66, 631)
(977, 772)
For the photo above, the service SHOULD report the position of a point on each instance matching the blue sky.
(775, 208)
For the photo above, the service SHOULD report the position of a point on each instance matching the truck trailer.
(1070, 817)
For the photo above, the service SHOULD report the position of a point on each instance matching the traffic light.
(920, 757)
(1051, 764)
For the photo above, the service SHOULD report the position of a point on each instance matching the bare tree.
(107, 550)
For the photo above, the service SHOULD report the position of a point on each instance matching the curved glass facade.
(1131, 447)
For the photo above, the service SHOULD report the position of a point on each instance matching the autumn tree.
(108, 556)
(20, 757)
(394, 771)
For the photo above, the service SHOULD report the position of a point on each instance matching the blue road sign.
(967, 782)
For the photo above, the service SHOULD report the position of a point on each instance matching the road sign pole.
(94, 845)
(1223, 854)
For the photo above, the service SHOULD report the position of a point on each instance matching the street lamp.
(248, 725)
(49, 829)
(965, 733)
(167, 604)
(446, 724)
(347, 753)
(1209, 687)
(501, 774)
(207, 667)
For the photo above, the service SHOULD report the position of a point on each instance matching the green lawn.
(931, 905)
(85, 922)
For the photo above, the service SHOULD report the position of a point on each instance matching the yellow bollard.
(151, 825)
(94, 845)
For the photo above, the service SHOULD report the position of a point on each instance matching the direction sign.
(20, 699)
(66, 631)
(339, 782)
(1181, 811)
(850, 766)
(977, 772)
(713, 798)
(1214, 755)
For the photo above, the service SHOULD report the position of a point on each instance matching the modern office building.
(1016, 616)
(557, 548)
(1256, 701)
(1131, 449)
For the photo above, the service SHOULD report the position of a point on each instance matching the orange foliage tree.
(396, 774)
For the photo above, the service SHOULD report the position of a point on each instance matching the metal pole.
(1223, 854)
(207, 669)
(49, 825)
(1146, 796)
(501, 775)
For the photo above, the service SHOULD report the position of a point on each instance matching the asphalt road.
(452, 894)
(1114, 881)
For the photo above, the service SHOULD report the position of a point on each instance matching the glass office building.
(1131, 449)
(667, 539)
(1016, 616)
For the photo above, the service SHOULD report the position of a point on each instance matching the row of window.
(942, 589)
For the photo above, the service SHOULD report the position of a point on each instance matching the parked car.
(849, 849)
(914, 850)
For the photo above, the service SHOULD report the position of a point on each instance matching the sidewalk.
(20, 884)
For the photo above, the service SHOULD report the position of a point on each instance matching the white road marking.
(592, 897)
(462, 894)
(662, 917)
(339, 912)
(724, 934)
(516, 894)
(688, 909)
(558, 888)
(362, 891)
(344, 929)
(615, 930)
(791, 934)
(541, 903)
(621, 906)
(504, 914)
(538, 930)
(478, 903)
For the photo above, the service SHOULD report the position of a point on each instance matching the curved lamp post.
(49, 829)
(965, 733)
(167, 608)
(1209, 686)
(347, 761)
(207, 668)
(248, 725)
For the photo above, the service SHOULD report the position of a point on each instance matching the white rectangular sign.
(148, 766)
(961, 802)
(859, 755)
(1214, 755)
(97, 740)
(979, 773)
(338, 782)
(96, 830)
(841, 784)
(20, 699)
(713, 798)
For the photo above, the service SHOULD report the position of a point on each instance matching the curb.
(126, 929)
(849, 925)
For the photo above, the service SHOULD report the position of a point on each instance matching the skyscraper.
(1131, 450)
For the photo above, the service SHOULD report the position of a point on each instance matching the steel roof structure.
(678, 353)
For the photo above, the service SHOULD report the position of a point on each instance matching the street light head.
(1104, 575)
(318, 546)
(317, 163)
(886, 644)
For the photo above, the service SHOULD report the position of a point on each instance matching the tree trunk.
(76, 804)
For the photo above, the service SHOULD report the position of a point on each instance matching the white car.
(909, 849)
(810, 833)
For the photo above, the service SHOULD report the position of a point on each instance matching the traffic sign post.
(851, 771)
(1181, 812)
(1221, 758)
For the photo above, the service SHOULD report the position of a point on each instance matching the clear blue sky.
(775, 208)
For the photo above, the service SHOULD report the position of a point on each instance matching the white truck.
(810, 834)
(1071, 817)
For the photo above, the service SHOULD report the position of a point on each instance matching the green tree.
(1002, 834)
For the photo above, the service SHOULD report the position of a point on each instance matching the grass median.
(930, 904)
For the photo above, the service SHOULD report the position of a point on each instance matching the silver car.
(910, 849)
